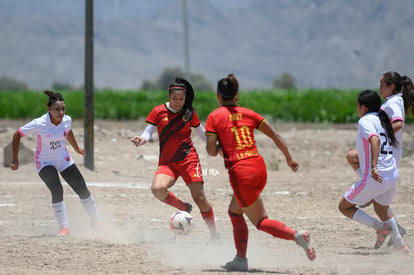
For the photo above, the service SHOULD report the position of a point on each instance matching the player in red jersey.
(177, 155)
(230, 129)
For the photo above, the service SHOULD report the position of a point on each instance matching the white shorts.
(60, 162)
(364, 191)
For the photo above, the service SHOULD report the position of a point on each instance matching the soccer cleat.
(189, 207)
(238, 264)
(403, 250)
(402, 233)
(64, 232)
(302, 238)
(382, 234)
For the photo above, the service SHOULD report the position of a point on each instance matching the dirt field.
(134, 237)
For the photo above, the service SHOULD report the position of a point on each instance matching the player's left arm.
(374, 141)
(397, 125)
(268, 130)
(71, 138)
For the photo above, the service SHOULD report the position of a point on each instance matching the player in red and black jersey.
(178, 156)
(230, 129)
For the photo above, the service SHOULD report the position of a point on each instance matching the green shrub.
(311, 105)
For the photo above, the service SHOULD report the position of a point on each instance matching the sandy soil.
(134, 237)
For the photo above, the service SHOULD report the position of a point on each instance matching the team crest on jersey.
(165, 119)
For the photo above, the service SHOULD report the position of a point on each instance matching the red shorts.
(189, 169)
(248, 178)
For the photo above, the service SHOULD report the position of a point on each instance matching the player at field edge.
(379, 170)
(52, 157)
(398, 93)
(230, 129)
(177, 154)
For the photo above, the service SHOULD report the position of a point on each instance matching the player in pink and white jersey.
(398, 92)
(51, 157)
(379, 171)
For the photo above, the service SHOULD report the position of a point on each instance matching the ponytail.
(386, 124)
(408, 95)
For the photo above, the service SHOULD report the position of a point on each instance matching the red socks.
(240, 233)
(208, 217)
(276, 229)
(175, 202)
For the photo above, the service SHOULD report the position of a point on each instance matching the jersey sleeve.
(69, 122)
(367, 128)
(210, 128)
(394, 111)
(29, 128)
(195, 121)
(152, 118)
(260, 120)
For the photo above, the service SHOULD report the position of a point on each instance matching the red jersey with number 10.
(234, 127)
(174, 133)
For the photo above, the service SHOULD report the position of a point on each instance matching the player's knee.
(159, 192)
(349, 157)
(84, 194)
(341, 207)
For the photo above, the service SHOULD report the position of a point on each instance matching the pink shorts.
(189, 169)
(248, 178)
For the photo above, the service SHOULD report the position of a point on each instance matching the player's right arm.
(145, 136)
(14, 165)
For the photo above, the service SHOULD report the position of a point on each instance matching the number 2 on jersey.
(384, 144)
(243, 137)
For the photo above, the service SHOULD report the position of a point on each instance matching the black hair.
(53, 97)
(372, 101)
(228, 87)
(404, 85)
(182, 84)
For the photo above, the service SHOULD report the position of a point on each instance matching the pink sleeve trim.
(373, 134)
(396, 118)
(21, 132)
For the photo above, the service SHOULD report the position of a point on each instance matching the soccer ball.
(180, 222)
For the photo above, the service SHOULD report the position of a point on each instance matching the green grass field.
(334, 106)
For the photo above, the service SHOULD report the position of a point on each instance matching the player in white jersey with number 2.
(379, 171)
(398, 92)
(51, 157)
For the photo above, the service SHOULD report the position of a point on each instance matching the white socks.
(362, 217)
(89, 205)
(395, 233)
(60, 213)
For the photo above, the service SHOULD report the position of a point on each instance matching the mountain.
(323, 44)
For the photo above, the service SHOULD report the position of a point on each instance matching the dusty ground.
(134, 237)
